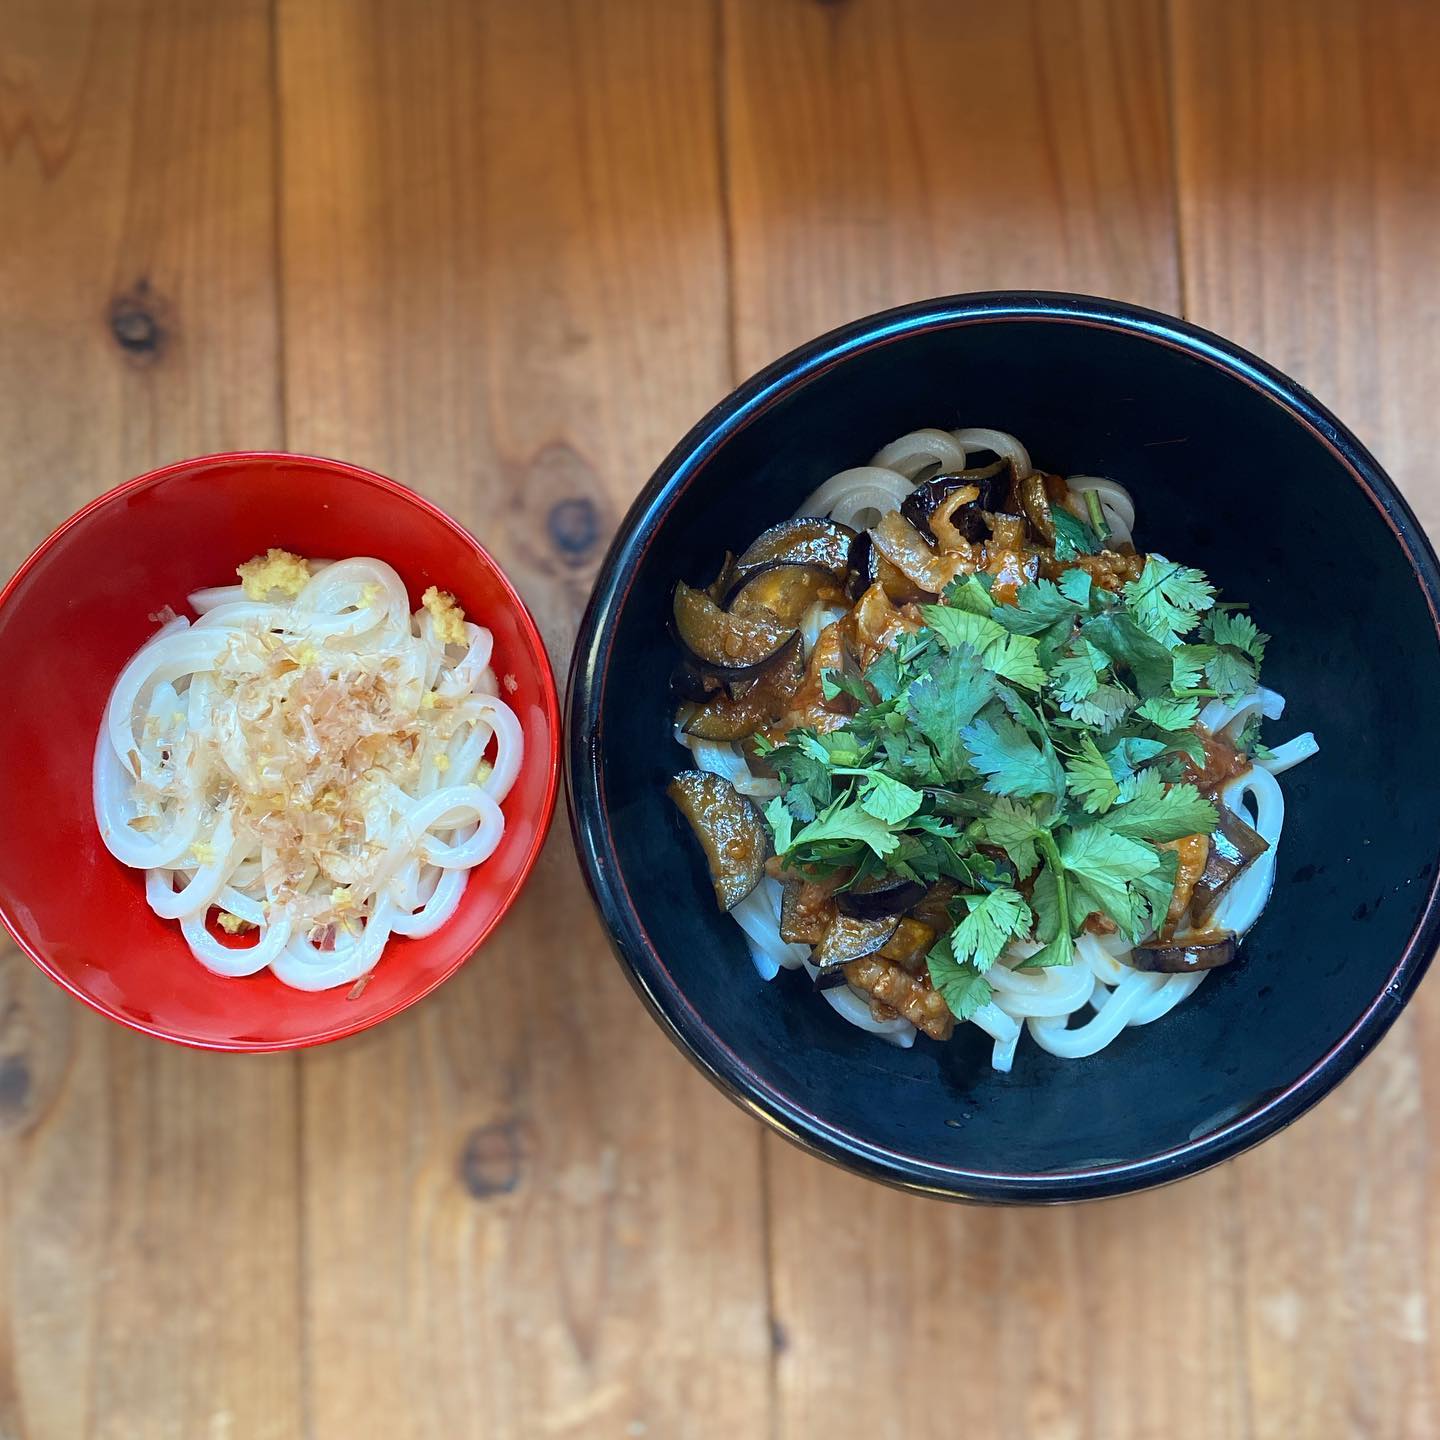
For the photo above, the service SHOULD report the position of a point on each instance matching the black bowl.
(1234, 468)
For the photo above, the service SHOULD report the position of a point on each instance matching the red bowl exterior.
(78, 609)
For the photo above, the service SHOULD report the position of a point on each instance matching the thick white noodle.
(921, 450)
(1098, 980)
(1290, 754)
(858, 497)
(164, 732)
(998, 442)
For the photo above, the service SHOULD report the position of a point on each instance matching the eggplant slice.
(847, 938)
(733, 644)
(730, 831)
(1234, 845)
(806, 541)
(869, 567)
(991, 483)
(880, 896)
(727, 716)
(1185, 955)
(784, 592)
(806, 911)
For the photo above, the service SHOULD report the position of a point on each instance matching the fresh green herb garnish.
(1031, 753)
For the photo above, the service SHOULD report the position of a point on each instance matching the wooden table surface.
(508, 250)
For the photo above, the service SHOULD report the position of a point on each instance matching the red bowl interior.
(79, 608)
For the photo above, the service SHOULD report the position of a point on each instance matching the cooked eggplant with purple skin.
(730, 830)
(724, 582)
(806, 541)
(1233, 846)
(1185, 955)
(805, 913)
(848, 938)
(991, 484)
(727, 716)
(869, 567)
(717, 640)
(691, 685)
(883, 895)
(784, 591)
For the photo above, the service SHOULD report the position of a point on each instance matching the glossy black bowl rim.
(590, 822)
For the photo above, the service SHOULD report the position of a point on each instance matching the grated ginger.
(233, 924)
(449, 617)
(274, 570)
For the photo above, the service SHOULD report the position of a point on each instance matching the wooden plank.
(1307, 136)
(896, 180)
(504, 282)
(867, 167)
(149, 1230)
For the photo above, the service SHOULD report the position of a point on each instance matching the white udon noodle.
(1071, 1010)
(421, 837)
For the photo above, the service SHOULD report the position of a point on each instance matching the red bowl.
(78, 609)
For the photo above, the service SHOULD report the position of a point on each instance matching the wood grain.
(150, 1228)
(508, 252)
(504, 281)
(1306, 140)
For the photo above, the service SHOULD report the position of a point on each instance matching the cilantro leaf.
(889, 799)
(883, 675)
(1169, 714)
(1009, 758)
(1107, 862)
(1077, 585)
(1232, 673)
(1157, 888)
(845, 821)
(1058, 950)
(837, 682)
(1036, 608)
(1072, 536)
(1076, 676)
(1013, 827)
(990, 922)
(803, 773)
(1167, 599)
(1189, 662)
(1088, 778)
(1045, 902)
(777, 816)
(1248, 740)
(945, 701)
(1235, 628)
(1129, 752)
(1119, 637)
(1146, 810)
(1010, 656)
(1104, 709)
(970, 592)
(963, 988)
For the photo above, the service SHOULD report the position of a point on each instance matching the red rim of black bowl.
(590, 821)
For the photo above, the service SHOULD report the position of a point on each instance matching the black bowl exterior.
(1235, 469)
